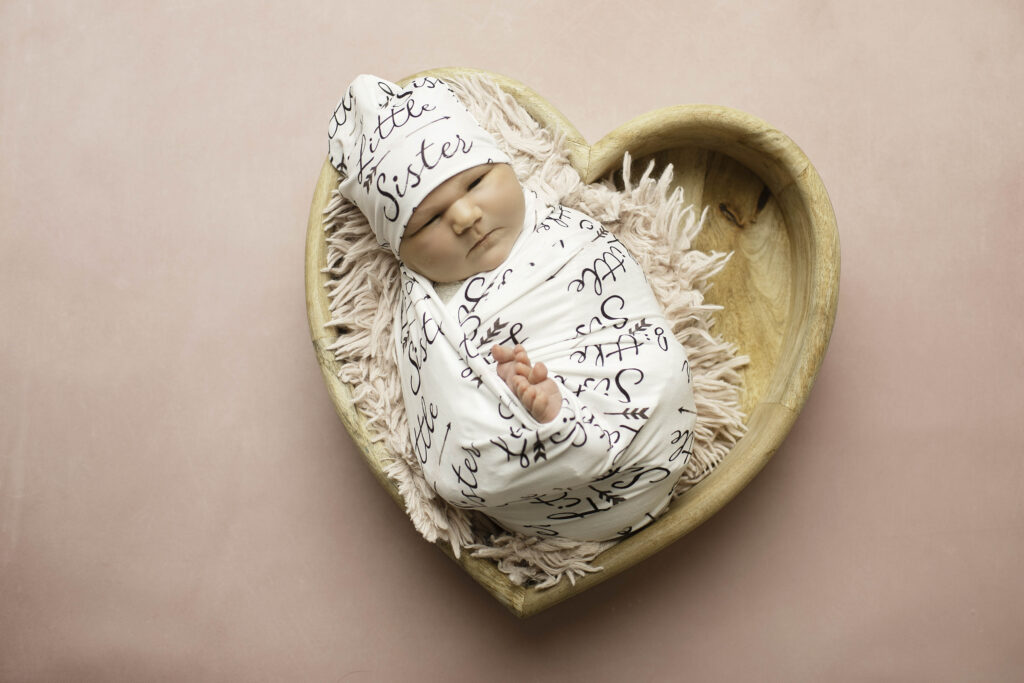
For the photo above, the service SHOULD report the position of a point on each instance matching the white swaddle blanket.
(579, 303)
(568, 291)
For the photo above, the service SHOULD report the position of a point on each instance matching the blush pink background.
(179, 501)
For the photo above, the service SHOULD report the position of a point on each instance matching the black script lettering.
(618, 382)
(686, 447)
(390, 211)
(656, 474)
(604, 267)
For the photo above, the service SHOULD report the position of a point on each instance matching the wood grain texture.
(767, 205)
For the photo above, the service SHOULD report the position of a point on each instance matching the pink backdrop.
(178, 499)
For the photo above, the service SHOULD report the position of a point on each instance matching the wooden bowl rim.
(812, 313)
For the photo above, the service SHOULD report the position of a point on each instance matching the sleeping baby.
(542, 383)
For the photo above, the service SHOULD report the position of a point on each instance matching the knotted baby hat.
(393, 145)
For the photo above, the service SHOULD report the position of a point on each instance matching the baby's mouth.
(483, 239)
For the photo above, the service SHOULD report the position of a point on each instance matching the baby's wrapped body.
(440, 193)
(572, 295)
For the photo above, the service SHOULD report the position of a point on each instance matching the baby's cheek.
(437, 255)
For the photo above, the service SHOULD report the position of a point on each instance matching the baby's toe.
(501, 354)
(538, 374)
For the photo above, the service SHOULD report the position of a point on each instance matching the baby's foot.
(538, 392)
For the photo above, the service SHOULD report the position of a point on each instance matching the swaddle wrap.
(568, 291)
(577, 301)
(393, 145)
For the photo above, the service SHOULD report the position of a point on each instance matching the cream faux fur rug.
(645, 216)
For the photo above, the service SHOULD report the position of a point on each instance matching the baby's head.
(433, 184)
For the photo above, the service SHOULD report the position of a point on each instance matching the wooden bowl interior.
(743, 218)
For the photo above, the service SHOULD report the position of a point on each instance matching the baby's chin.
(483, 259)
(493, 254)
(483, 266)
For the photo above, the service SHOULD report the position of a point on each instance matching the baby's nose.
(464, 213)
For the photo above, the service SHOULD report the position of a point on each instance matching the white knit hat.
(394, 145)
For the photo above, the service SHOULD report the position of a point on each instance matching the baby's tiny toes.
(538, 374)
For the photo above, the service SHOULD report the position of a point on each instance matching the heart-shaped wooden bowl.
(779, 291)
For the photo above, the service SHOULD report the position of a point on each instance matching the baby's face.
(466, 225)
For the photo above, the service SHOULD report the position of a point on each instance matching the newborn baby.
(542, 383)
